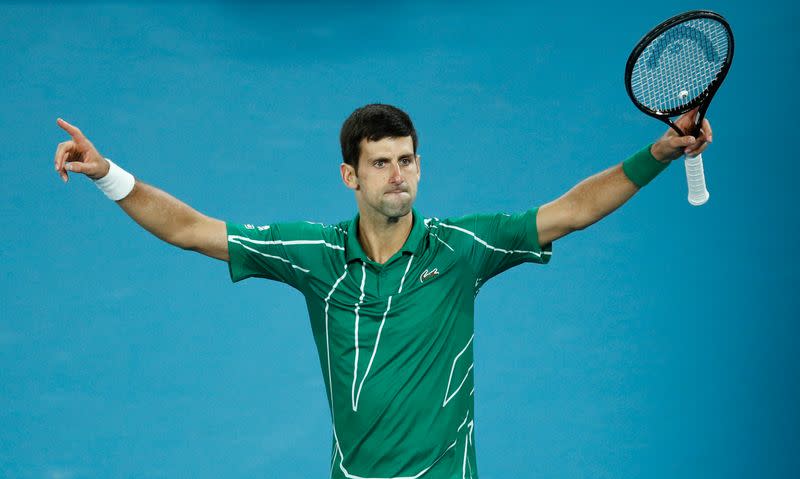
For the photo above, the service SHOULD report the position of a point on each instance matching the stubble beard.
(395, 209)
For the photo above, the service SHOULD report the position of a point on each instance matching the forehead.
(390, 147)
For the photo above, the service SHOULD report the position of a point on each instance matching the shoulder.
(458, 233)
(491, 230)
(476, 224)
(309, 231)
(334, 232)
(289, 233)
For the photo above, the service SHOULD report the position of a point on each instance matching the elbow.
(586, 219)
(185, 247)
(181, 239)
(586, 213)
(187, 234)
(579, 227)
(579, 216)
(583, 220)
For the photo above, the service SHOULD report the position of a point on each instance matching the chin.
(396, 211)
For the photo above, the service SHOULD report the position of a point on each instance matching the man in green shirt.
(390, 293)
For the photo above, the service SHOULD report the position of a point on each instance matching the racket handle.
(696, 179)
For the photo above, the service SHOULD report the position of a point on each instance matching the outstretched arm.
(156, 211)
(597, 196)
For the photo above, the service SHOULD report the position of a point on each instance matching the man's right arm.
(175, 222)
(155, 210)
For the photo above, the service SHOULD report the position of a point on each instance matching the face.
(387, 179)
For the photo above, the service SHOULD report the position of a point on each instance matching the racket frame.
(703, 99)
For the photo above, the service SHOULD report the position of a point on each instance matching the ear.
(419, 167)
(349, 176)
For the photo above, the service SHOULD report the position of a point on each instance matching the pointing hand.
(78, 155)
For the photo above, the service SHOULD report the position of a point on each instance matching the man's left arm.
(597, 196)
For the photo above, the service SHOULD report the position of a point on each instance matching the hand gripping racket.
(676, 67)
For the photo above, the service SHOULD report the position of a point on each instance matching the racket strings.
(680, 64)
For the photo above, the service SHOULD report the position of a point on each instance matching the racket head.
(679, 65)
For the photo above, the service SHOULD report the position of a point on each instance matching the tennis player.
(390, 293)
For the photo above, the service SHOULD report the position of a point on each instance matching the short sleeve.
(284, 252)
(496, 242)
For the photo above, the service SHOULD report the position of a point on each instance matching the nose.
(396, 177)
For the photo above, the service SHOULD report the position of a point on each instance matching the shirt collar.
(353, 249)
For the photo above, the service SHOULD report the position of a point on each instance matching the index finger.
(707, 129)
(73, 131)
(686, 121)
(689, 115)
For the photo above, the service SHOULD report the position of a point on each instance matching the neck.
(382, 237)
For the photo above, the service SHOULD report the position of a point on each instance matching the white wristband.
(117, 183)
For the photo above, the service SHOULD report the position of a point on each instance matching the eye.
(405, 161)
(379, 163)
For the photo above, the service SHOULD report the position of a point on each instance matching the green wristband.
(642, 167)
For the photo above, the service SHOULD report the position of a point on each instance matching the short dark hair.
(373, 122)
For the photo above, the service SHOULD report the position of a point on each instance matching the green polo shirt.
(395, 340)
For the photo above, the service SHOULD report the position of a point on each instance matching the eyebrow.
(383, 158)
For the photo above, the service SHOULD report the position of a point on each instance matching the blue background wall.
(660, 342)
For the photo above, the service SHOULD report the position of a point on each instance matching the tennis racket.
(676, 67)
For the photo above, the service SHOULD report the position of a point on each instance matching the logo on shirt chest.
(428, 275)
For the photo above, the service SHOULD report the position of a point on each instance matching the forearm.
(160, 213)
(599, 195)
(156, 211)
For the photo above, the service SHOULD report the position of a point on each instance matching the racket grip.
(696, 179)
